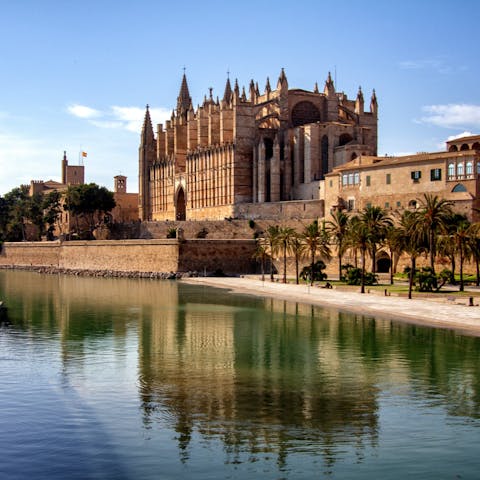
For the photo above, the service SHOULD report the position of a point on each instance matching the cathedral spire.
(373, 103)
(147, 129)
(184, 100)
(252, 91)
(359, 102)
(282, 80)
(329, 86)
(236, 90)
(227, 95)
(315, 89)
(268, 88)
(244, 96)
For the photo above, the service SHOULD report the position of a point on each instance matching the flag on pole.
(84, 154)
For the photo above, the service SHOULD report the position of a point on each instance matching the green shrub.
(427, 280)
(353, 276)
(172, 233)
(318, 274)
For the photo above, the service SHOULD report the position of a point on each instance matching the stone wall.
(229, 256)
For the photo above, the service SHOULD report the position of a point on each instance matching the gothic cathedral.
(260, 149)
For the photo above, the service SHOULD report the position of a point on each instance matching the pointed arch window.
(469, 169)
(460, 169)
(451, 170)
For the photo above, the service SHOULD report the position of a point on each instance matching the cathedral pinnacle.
(236, 89)
(329, 86)
(282, 80)
(184, 100)
(268, 89)
(227, 94)
(147, 129)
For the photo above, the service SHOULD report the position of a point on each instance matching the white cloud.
(118, 117)
(454, 137)
(23, 159)
(460, 135)
(82, 111)
(438, 64)
(452, 115)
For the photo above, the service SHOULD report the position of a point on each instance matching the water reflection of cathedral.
(258, 375)
(263, 385)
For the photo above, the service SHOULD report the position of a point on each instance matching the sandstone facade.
(257, 149)
(398, 183)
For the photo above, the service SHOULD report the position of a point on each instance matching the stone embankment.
(102, 273)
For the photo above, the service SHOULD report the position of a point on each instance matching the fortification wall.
(230, 256)
(281, 211)
(30, 253)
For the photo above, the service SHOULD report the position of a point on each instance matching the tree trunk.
(284, 280)
(461, 268)
(392, 254)
(296, 269)
(412, 274)
(452, 262)
(271, 263)
(339, 267)
(312, 266)
(432, 251)
(362, 288)
(477, 266)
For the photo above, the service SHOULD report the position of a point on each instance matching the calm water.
(139, 379)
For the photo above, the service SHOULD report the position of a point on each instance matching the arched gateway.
(180, 207)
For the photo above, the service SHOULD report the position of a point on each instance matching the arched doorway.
(180, 212)
(383, 263)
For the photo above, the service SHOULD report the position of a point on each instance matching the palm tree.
(360, 237)
(412, 240)
(285, 238)
(462, 238)
(445, 246)
(272, 239)
(261, 253)
(475, 249)
(298, 249)
(316, 241)
(391, 241)
(337, 228)
(376, 221)
(434, 213)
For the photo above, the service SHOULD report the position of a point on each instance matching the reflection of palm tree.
(337, 228)
(316, 241)
(434, 213)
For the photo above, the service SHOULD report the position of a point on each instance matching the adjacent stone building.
(235, 156)
(398, 183)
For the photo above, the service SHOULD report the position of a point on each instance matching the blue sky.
(76, 75)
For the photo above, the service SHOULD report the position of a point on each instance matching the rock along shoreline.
(51, 270)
